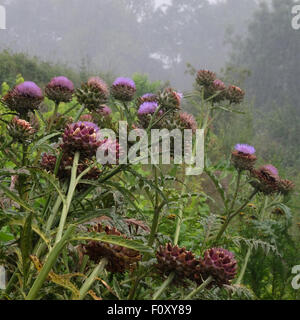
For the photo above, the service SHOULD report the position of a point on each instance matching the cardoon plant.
(77, 228)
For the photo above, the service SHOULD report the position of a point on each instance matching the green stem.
(67, 203)
(53, 116)
(157, 210)
(164, 286)
(230, 217)
(199, 289)
(49, 264)
(236, 190)
(241, 276)
(90, 280)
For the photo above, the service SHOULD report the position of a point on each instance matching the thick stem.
(241, 276)
(164, 286)
(49, 264)
(90, 280)
(157, 210)
(67, 204)
(236, 190)
(199, 289)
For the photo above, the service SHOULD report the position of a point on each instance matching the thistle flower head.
(93, 93)
(235, 95)
(170, 100)
(245, 149)
(219, 85)
(24, 97)
(123, 89)
(174, 259)
(271, 169)
(146, 112)
(266, 180)
(21, 130)
(148, 108)
(185, 121)
(119, 258)
(286, 186)
(29, 89)
(82, 137)
(60, 89)
(243, 157)
(218, 263)
(205, 78)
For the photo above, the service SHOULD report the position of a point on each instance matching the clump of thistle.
(218, 263)
(266, 179)
(21, 130)
(119, 258)
(60, 89)
(243, 157)
(205, 78)
(146, 112)
(170, 100)
(235, 95)
(123, 89)
(93, 94)
(82, 137)
(23, 98)
(174, 259)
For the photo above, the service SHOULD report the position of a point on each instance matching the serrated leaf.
(127, 243)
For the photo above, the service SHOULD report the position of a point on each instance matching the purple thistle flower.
(81, 136)
(88, 125)
(60, 89)
(123, 89)
(23, 98)
(62, 82)
(30, 89)
(245, 148)
(148, 108)
(271, 169)
(124, 82)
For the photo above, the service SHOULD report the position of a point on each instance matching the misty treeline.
(126, 36)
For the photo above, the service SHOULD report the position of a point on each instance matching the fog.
(127, 36)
